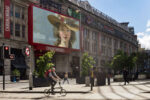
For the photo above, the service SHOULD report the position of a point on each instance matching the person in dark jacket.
(125, 76)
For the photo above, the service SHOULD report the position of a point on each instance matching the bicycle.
(62, 91)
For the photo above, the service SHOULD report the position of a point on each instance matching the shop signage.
(55, 49)
(27, 51)
(7, 18)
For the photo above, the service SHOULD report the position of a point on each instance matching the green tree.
(119, 60)
(141, 57)
(87, 64)
(131, 61)
(44, 63)
(122, 60)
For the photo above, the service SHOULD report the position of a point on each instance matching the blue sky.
(136, 12)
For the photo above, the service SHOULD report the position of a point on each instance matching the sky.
(136, 12)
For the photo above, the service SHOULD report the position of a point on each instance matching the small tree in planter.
(16, 75)
(43, 63)
(87, 65)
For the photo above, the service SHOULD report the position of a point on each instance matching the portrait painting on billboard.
(55, 29)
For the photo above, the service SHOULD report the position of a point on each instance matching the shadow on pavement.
(82, 92)
(100, 93)
(113, 90)
(125, 88)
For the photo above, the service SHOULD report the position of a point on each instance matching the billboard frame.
(46, 47)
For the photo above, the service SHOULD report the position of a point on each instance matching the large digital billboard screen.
(55, 29)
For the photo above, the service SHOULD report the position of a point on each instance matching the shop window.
(0, 26)
(23, 31)
(17, 12)
(17, 30)
(11, 28)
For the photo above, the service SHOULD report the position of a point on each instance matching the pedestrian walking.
(125, 76)
(66, 78)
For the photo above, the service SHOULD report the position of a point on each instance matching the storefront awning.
(20, 66)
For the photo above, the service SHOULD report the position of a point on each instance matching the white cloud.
(144, 37)
(144, 40)
(148, 23)
(148, 30)
(140, 34)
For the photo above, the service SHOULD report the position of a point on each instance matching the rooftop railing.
(93, 10)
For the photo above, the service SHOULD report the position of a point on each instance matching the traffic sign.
(12, 56)
(27, 51)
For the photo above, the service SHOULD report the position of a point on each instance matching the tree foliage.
(122, 60)
(141, 58)
(87, 64)
(44, 63)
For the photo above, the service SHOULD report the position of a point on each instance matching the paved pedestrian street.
(135, 90)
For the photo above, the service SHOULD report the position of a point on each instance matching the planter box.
(118, 78)
(41, 82)
(141, 76)
(148, 76)
(87, 81)
(14, 78)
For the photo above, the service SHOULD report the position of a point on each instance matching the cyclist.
(53, 77)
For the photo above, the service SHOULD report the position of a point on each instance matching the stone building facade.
(100, 35)
(14, 21)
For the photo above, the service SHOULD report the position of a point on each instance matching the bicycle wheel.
(63, 92)
(47, 92)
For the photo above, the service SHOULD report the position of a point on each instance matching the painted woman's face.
(64, 33)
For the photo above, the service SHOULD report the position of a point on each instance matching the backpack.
(47, 72)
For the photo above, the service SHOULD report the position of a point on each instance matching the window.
(115, 44)
(86, 33)
(17, 30)
(11, 10)
(23, 31)
(103, 50)
(0, 6)
(23, 13)
(11, 28)
(96, 61)
(103, 39)
(17, 12)
(102, 62)
(0, 26)
(94, 36)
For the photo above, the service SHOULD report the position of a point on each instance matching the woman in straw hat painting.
(64, 30)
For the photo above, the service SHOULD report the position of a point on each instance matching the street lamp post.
(92, 80)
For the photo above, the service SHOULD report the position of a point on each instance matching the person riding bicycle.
(53, 77)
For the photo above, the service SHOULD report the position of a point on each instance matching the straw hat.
(59, 19)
